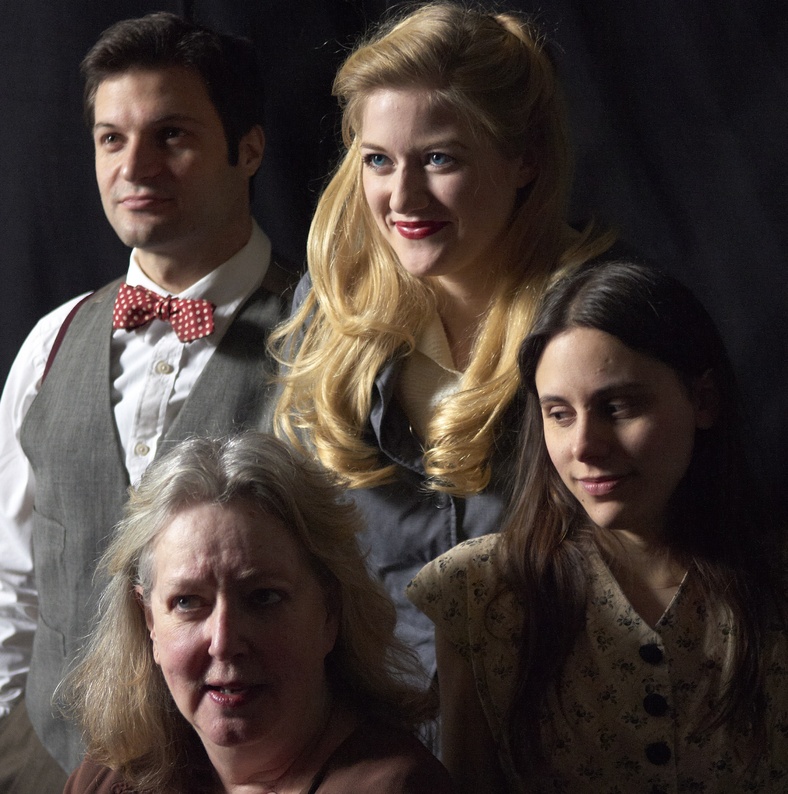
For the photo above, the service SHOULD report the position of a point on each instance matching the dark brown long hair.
(714, 521)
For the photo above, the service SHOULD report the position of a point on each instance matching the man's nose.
(142, 159)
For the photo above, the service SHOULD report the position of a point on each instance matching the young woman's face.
(440, 198)
(619, 427)
(240, 628)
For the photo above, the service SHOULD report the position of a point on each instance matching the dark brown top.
(374, 759)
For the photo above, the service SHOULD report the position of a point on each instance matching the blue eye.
(439, 159)
(185, 603)
(376, 161)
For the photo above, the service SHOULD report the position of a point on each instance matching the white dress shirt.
(152, 375)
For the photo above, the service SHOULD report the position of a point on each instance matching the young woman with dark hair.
(626, 631)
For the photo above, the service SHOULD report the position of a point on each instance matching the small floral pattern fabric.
(626, 716)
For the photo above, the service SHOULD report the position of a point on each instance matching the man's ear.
(250, 150)
(706, 398)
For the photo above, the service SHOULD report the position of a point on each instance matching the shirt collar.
(228, 285)
(433, 343)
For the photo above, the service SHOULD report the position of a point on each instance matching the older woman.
(241, 645)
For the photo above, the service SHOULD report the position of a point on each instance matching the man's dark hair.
(227, 65)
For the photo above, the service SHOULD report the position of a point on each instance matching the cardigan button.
(658, 753)
(651, 653)
(655, 704)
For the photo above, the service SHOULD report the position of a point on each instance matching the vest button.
(658, 753)
(163, 368)
(655, 704)
(651, 653)
(141, 449)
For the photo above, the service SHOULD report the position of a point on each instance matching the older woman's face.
(439, 197)
(241, 628)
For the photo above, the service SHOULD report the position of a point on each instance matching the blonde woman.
(440, 229)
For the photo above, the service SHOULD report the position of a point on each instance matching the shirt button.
(651, 653)
(163, 368)
(655, 704)
(658, 753)
(141, 449)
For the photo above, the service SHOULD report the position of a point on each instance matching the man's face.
(163, 172)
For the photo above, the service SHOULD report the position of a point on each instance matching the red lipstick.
(418, 230)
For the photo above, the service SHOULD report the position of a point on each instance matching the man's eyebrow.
(170, 118)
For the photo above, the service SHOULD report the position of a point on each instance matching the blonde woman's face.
(240, 628)
(440, 198)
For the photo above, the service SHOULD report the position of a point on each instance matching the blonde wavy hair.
(117, 692)
(363, 310)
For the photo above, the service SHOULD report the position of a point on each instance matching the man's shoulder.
(51, 322)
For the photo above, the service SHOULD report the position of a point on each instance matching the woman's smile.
(427, 178)
(419, 230)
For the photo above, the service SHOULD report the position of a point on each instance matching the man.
(99, 388)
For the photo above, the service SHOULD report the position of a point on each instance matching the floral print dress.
(625, 715)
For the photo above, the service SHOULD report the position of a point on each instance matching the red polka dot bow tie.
(190, 319)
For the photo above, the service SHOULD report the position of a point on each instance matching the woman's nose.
(591, 438)
(409, 191)
(226, 632)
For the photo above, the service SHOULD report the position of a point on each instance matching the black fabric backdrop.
(679, 113)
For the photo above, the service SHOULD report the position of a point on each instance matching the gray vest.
(70, 438)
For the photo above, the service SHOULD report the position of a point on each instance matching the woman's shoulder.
(92, 778)
(461, 592)
(378, 758)
(450, 572)
(301, 291)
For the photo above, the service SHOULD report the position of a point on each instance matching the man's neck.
(174, 272)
